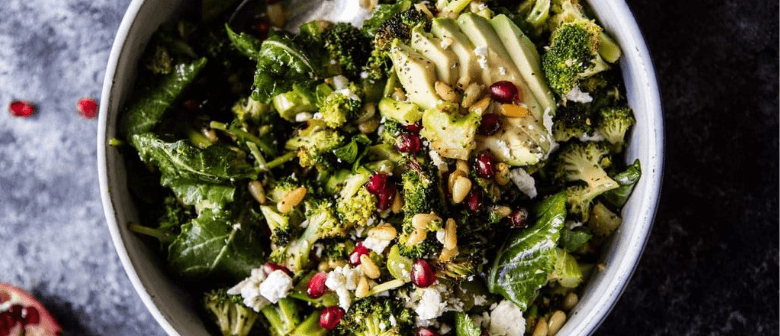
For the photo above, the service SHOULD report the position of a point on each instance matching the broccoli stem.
(162, 236)
(198, 139)
(114, 142)
(310, 326)
(279, 160)
(608, 48)
(244, 135)
(283, 317)
(256, 153)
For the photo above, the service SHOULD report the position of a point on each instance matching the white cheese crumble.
(342, 280)
(523, 181)
(276, 286)
(376, 245)
(506, 320)
(578, 96)
(436, 158)
(502, 70)
(348, 93)
(481, 53)
(597, 136)
(249, 289)
(431, 305)
(340, 82)
(303, 116)
(440, 233)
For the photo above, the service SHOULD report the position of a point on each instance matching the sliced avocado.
(447, 30)
(497, 64)
(416, 73)
(405, 113)
(526, 58)
(520, 141)
(451, 135)
(445, 60)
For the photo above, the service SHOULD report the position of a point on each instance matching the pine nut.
(450, 235)
(463, 166)
(502, 211)
(398, 203)
(447, 254)
(502, 174)
(512, 110)
(362, 288)
(541, 327)
(556, 322)
(323, 266)
(445, 92)
(453, 177)
(481, 106)
(291, 199)
(460, 189)
(257, 191)
(383, 232)
(368, 126)
(399, 95)
(421, 221)
(368, 111)
(336, 263)
(416, 237)
(275, 13)
(570, 301)
(209, 134)
(472, 93)
(369, 267)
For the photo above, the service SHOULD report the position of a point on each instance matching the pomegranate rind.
(48, 325)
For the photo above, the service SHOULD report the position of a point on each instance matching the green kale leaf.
(246, 44)
(280, 64)
(627, 180)
(465, 326)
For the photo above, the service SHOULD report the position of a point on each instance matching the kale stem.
(280, 160)
(163, 237)
(244, 135)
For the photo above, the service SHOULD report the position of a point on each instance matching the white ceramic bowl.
(171, 306)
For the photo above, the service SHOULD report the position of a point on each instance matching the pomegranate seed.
(485, 166)
(354, 257)
(21, 108)
(385, 198)
(423, 331)
(491, 123)
(422, 274)
(519, 218)
(30, 316)
(408, 143)
(270, 267)
(87, 108)
(377, 183)
(16, 312)
(262, 27)
(7, 319)
(330, 317)
(505, 92)
(474, 200)
(414, 128)
(316, 287)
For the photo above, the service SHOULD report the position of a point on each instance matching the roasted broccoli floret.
(338, 108)
(373, 316)
(398, 26)
(337, 249)
(603, 221)
(282, 231)
(355, 205)
(419, 190)
(584, 162)
(348, 46)
(248, 110)
(233, 317)
(614, 123)
(322, 214)
(283, 319)
(578, 201)
(572, 55)
(315, 147)
(573, 121)
(321, 222)
(390, 131)
(570, 11)
(469, 261)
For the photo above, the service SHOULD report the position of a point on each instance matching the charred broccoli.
(398, 26)
(233, 317)
(348, 46)
(374, 316)
(614, 124)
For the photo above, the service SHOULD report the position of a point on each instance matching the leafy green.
(381, 14)
(566, 271)
(627, 180)
(203, 195)
(528, 256)
(246, 44)
(350, 152)
(280, 64)
(148, 107)
(572, 240)
(464, 326)
(215, 245)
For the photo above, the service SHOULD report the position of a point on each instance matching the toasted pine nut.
(323, 266)
(541, 327)
(420, 221)
(399, 95)
(460, 189)
(256, 189)
(209, 134)
(446, 92)
(291, 199)
(556, 322)
(416, 237)
(570, 301)
(368, 126)
(383, 232)
(368, 111)
(461, 165)
(502, 177)
(398, 203)
(275, 13)
(481, 106)
(369, 267)
(453, 177)
(362, 288)
(337, 263)
(451, 235)
(447, 254)
(464, 81)
(503, 211)
(512, 110)
(471, 94)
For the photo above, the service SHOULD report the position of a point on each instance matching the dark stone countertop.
(710, 267)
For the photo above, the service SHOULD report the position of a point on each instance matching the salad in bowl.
(444, 168)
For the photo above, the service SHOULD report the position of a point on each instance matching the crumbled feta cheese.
(436, 158)
(376, 245)
(340, 82)
(342, 280)
(392, 320)
(440, 233)
(430, 306)
(502, 70)
(348, 93)
(577, 95)
(363, 74)
(249, 289)
(276, 286)
(481, 53)
(506, 320)
(597, 136)
(303, 116)
(523, 181)
(317, 116)
(480, 300)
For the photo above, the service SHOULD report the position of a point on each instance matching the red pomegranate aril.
(423, 331)
(377, 183)
(485, 166)
(16, 312)
(330, 317)
(87, 108)
(414, 128)
(408, 143)
(8, 319)
(474, 200)
(21, 108)
(385, 198)
(505, 92)
(518, 219)
(422, 274)
(354, 257)
(268, 268)
(30, 316)
(491, 123)
(316, 287)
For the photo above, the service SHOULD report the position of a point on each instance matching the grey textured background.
(711, 266)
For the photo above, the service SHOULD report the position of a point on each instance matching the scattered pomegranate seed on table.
(21, 108)
(87, 107)
(354, 257)
(330, 317)
(505, 92)
(316, 287)
(422, 274)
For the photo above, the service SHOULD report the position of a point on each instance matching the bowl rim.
(614, 288)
